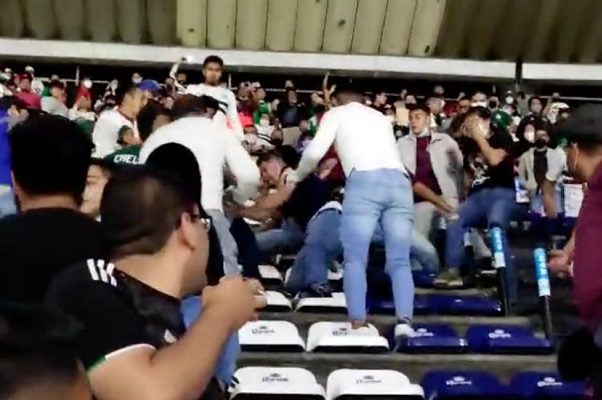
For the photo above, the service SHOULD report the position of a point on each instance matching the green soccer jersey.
(127, 155)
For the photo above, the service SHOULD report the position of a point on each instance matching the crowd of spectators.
(150, 263)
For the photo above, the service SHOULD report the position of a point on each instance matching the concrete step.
(384, 323)
(414, 366)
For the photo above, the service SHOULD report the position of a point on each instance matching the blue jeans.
(491, 206)
(289, 237)
(191, 309)
(382, 198)
(323, 246)
(7, 201)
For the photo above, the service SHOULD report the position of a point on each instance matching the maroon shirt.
(31, 99)
(587, 280)
(424, 168)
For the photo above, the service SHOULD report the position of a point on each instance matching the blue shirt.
(4, 149)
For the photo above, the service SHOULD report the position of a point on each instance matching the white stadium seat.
(270, 336)
(277, 302)
(338, 337)
(270, 275)
(360, 383)
(334, 304)
(282, 383)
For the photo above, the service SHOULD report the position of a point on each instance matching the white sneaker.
(404, 330)
(368, 330)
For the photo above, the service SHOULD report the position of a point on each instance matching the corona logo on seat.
(262, 330)
(458, 381)
(368, 379)
(499, 334)
(548, 381)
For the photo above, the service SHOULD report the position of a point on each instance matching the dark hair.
(107, 166)
(50, 156)
(268, 156)
(36, 347)
(464, 98)
(213, 59)
(534, 98)
(480, 112)
(191, 104)
(140, 209)
(123, 89)
(147, 116)
(56, 85)
(286, 153)
(419, 107)
(179, 161)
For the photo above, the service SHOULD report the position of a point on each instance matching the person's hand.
(473, 128)
(327, 166)
(235, 300)
(560, 263)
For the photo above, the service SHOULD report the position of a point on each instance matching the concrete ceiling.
(534, 30)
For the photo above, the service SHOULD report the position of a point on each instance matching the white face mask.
(137, 80)
(509, 100)
(114, 84)
(264, 122)
(87, 83)
(479, 104)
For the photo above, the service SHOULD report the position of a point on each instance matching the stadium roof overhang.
(480, 39)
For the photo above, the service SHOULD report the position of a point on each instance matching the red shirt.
(31, 99)
(587, 280)
(424, 168)
(337, 175)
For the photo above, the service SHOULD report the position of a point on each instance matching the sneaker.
(316, 291)
(449, 279)
(403, 330)
(367, 330)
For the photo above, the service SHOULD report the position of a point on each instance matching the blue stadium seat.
(434, 338)
(464, 305)
(504, 339)
(424, 279)
(546, 386)
(464, 385)
(381, 306)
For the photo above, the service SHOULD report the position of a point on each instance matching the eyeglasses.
(205, 221)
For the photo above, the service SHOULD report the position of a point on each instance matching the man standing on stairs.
(378, 191)
(213, 67)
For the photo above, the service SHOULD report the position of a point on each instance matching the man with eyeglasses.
(134, 344)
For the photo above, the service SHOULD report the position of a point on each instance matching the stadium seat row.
(299, 383)
(283, 336)
(434, 304)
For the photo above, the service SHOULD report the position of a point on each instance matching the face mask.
(87, 83)
(264, 122)
(530, 136)
(137, 80)
(113, 85)
(540, 144)
(509, 100)
(492, 104)
(479, 104)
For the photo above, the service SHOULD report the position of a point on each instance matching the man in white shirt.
(214, 149)
(213, 67)
(378, 191)
(106, 131)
